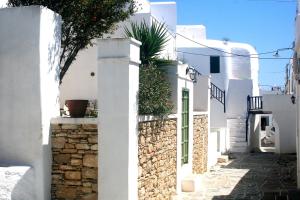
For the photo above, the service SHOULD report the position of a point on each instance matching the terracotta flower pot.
(77, 107)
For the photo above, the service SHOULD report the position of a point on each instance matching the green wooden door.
(185, 127)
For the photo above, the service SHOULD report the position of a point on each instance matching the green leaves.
(154, 88)
(154, 38)
(154, 92)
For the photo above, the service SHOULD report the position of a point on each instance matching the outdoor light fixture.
(193, 73)
(276, 54)
(293, 99)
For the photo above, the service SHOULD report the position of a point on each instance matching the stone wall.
(75, 167)
(157, 159)
(200, 144)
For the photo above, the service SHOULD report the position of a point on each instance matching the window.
(185, 127)
(215, 64)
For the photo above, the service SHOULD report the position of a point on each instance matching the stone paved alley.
(249, 177)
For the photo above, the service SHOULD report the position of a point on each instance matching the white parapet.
(118, 82)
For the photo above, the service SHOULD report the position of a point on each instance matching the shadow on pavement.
(270, 176)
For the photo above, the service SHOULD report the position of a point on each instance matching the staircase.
(236, 127)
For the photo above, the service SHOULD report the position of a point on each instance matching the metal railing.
(217, 93)
(254, 103)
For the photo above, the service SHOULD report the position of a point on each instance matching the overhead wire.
(223, 51)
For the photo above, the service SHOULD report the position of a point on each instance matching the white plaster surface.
(28, 89)
(67, 120)
(237, 97)
(284, 113)
(3, 3)
(202, 94)
(78, 82)
(16, 183)
(117, 96)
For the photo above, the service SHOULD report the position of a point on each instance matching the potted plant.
(77, 107)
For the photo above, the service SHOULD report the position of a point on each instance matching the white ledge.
(68, 120)
(200, 113)
(147, 118)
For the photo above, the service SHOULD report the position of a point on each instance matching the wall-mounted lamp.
(293, 99)
(193, 73)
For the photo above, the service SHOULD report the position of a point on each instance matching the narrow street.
(252, 176)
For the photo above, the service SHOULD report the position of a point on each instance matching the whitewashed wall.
(78, 82)
(202, 94)
(3, 3)
(193, 32)
(30, 43)
(284, 113)
(231, 68)
(238, 91)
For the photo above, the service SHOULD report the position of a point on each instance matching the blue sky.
(265, 24)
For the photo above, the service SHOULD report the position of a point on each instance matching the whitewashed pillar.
(118, 82)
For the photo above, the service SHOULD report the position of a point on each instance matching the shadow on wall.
(54, 49)
(269, 176)
(17, 183)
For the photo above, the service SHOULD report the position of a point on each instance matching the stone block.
(73, 175)
(86, 190)
(95, 187)
(82, 146)
(92, 196)
(62, 158)
(91, 173)
(69, 146)
(75, 183)
(94, 147)
(65, 192)
(70, 126)
(90, 160)
(58, 142)
(76, 162)
(69, 151)
(93, 139)
(90, 126)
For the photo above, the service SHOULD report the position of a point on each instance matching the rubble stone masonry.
(200, 144)
(75, 166)
(157, 159)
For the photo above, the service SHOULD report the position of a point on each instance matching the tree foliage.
(83, 21)
(154, 88)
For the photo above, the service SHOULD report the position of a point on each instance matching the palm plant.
(154, 39)
(154, 88)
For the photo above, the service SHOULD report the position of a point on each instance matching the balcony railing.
(254, 103)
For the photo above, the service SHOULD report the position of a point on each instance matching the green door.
(185, 127)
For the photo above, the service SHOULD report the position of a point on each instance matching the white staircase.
(237, 131)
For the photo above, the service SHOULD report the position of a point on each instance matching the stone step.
(238, 149)
(238, 139)
(237, 133)
(191, 183)
(238, 144)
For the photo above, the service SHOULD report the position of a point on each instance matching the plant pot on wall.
(77, 107)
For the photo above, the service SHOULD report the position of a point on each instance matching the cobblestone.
(249, 176)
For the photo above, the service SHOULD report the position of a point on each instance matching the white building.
(233, 68)
(297, 86)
